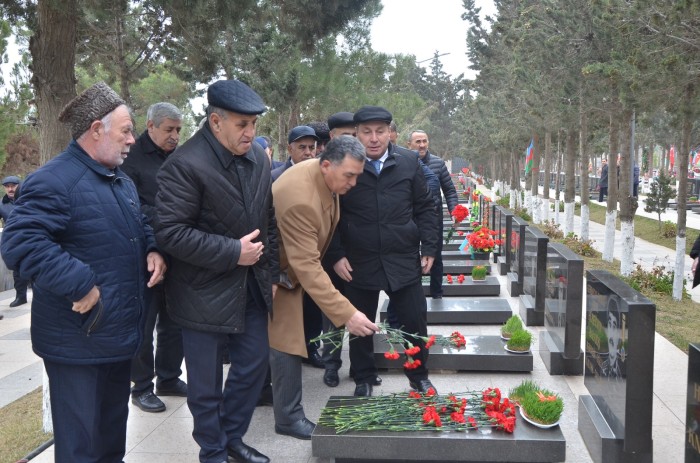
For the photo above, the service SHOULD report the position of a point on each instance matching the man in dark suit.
(388, 232)
(11, 185)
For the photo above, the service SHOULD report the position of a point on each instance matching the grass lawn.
(21, 430)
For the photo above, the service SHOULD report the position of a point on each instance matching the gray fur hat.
(91, 105)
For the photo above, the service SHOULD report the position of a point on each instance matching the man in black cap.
(11, 185)
(217, 223)
(162, 134)
(301, 146)
(78, 234)
(322, 132)
(418, 141)
(393, 239)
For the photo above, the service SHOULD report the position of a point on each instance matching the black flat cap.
(10, 179)
(372, 113)
(342, 119)
(321, 129)
(235, 96)
(301, 131)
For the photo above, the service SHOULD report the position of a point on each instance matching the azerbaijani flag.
(529, 152)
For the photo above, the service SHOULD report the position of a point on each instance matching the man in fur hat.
(78, 234)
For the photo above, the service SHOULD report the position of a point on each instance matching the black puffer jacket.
(202, 215)
(437, 165)
(384, 221)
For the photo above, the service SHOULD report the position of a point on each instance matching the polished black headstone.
(692, 415)
(489, 287)
(457, 255)
(560, 342)
(526, 444)
(504, 231)
(463, 311)
(534, 274)
(517, 256)
(482, 353)
(619, 371)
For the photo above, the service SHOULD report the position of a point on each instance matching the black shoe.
(422, 386)
(437, 296)
(243, 453)
(376, 381)
(301, 429)
(148, 402)
(363, 390)
(314, 360)
(178, 390)
(330, 378)
(19, 301)
(265, 396)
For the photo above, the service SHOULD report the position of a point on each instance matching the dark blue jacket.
(77, 225)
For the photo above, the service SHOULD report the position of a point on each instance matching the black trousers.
(167, 362)
(330, 355)
(411, 309)
(222, 418)
(89, 408)
(603, 193)
(20, 285)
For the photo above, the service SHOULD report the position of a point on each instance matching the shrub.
(658, 280)
(669, 229)
(525, 388)
(580, 247)
(551, 229)
(511, 325)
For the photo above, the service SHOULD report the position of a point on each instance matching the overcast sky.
(417, 27)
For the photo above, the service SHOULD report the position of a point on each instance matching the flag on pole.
(672, 156)
(529, 157)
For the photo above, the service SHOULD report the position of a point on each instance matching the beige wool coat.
(307, 214)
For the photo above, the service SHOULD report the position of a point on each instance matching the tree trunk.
(53, 71)
(682, 163)
(547, 174)
(611, 214)
(120, 11)
(535, 186)
(585, 161)
(514, 181)
(570, 182)
(628, 203)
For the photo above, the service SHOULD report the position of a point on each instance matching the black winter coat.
(437, 165)
(384, 221)
(695, 252)
(203, 211)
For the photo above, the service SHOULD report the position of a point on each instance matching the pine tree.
(661, 192)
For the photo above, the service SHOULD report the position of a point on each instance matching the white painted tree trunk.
(512, 203)
(585, 218)
(679, 269)
(609, 243)
(536, 210)
(546, 204)
(556, 211)
(528, 202)
(46, 405)
(569, 218)
(627, 258)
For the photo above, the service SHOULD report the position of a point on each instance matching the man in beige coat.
(307, 212)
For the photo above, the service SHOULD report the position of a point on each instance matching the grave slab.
(457, 255)
(464, 267)
(463, 310)
(526, 444)
(489, 287)
(482, 353)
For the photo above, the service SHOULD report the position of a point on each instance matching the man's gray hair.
(410, 135)
(158, 112)
(340, 147)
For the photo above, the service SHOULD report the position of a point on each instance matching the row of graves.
(617, 362)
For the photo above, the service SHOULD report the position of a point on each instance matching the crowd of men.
(260, 259)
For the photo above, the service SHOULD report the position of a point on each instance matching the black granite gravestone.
(482, 353)
(504, 232)
(463, 311)
(615, 419)
(692, 415)
(525, 444)
(517, 256)
(495, 225)
(534, 272)
(560, 342)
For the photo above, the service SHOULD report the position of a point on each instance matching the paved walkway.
(166, 437)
